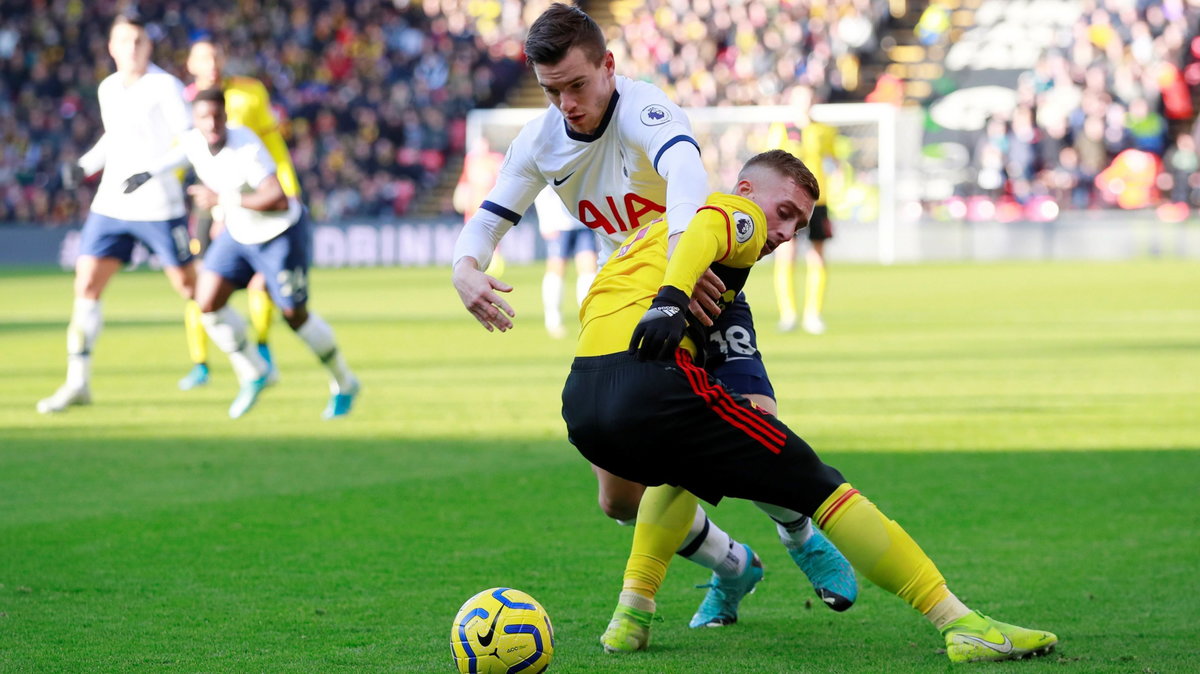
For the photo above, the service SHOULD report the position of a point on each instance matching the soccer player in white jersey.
(620, 155)
(143, 112)
(265, 232)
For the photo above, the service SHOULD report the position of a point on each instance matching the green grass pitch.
(1036, 427)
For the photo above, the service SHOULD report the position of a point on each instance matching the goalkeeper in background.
(814, 148)
(247, 104)
(645, 411)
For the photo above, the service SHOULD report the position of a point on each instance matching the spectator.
(343, 74)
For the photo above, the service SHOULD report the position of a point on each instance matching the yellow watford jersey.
(248, 104)
(816, 148)
(728, 230)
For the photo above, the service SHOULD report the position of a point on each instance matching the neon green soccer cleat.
(628, 631)
(977, 638)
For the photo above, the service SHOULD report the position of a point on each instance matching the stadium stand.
(372, 95)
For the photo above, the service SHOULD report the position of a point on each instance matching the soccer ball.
(501, 630)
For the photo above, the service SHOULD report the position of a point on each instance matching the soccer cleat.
(247, 396)
(64, 397)
(628, 631)
(828, 570)
(787, 324)
(977, 638)
(813, 325)
(340, 403)
(556, 331)
(720, 605)
(264, 350)
(197, 376)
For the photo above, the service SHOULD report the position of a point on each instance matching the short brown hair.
(213, 95)
(558, 29)
(129, 18)
(787, 165)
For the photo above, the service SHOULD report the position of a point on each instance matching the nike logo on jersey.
(485, 639)
(1002, 647)
(558, 182)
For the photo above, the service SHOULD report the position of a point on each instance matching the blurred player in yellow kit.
(815, 147)
(247, 104)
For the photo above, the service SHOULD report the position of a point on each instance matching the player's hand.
(478, 291)
(202, 197)
(71, 175)
(661, 329)
(135, 181)
(705, 298)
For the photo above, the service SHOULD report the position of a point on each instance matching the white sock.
(317, 334)
(634, 600)
(707, 545)
(582, 284)
(86, 323)
(946, 611)
(227, 329)
(794, 528)
(552, 291)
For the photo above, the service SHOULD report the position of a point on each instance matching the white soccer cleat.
(813, 325)
(64, 397)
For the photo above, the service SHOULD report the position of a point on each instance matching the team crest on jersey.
(653, 115)
(743, 225)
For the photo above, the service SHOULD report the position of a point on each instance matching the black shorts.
(819, 226)
(664, 422)
(731, 352)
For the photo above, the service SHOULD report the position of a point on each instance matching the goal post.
(860, 179)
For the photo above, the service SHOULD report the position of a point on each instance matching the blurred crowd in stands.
(372, 94)
(1104, 118)
(753, 53)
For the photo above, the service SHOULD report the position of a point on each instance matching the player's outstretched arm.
(478, 291)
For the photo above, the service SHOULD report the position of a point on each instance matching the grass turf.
(1033, 426)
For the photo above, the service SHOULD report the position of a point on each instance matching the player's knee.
(619, 504)
(295, 316)
(208, 304)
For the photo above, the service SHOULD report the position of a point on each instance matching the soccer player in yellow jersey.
(646, 411)
(247, 104)
(815, 148)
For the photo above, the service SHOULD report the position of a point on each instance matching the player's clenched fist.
(477, 291)
(661, 329)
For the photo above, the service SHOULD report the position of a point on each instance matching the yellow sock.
(193, 329)
(664, 518)
(814, 288)
(262, 312)
(785, 284)
(880, 549)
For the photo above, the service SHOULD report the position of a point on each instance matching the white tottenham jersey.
(609, 179)
(141, 122)
(240, 166)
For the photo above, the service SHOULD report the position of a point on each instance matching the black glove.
(135, 181)
(662, 327)
(71, 175)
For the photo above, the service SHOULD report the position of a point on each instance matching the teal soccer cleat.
(828, 570)
(340, 403)
(247, 396)
(195, 378)
(720, 605)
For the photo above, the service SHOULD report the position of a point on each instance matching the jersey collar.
(589, 137)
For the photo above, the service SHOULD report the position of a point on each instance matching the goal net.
(860, 177)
